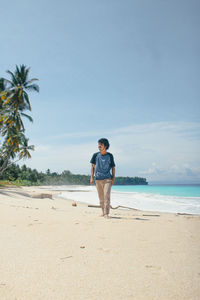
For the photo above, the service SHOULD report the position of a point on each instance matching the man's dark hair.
(105, 142)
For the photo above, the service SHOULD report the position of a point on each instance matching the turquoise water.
(170, 190)
(160, 198)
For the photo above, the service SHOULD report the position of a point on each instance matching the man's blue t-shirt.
(103, 163)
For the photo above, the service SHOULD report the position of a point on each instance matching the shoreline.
(50, 189)
(133, 200)
(127, 208)
(53, 250)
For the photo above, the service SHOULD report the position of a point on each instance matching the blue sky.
(125, 70)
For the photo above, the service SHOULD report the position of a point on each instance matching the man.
(102, 162)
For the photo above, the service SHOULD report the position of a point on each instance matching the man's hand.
(113, 175)
(92, 174)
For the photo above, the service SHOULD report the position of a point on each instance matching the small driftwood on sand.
(42, 196)
(98, 206)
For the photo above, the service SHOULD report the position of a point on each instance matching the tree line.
(27, 176)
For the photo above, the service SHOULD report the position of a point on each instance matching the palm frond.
(14, 79)
(27, 102)
(9, 82)
(26, 73)
(30, 81)
(18, 74)
(33, 87)
(27, 116)
(2, 84)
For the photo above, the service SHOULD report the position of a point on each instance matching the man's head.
(103, 144)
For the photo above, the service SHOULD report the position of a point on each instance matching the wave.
(138, 200)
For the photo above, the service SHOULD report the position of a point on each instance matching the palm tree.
(2, 92)
(20, 85)
(14, 100)
(15, 144)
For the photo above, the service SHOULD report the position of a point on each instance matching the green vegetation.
(130, 181)
(14, 101)
(26, 176)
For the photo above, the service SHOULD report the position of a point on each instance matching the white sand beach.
(51, 250)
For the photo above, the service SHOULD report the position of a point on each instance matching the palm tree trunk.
(4, 166)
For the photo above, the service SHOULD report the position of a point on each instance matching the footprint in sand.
(31, 224)
(104, 249)
(153, 267)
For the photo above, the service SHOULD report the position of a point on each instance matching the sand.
(52, 250)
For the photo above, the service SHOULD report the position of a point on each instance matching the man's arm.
(113, 175)
(92, 174)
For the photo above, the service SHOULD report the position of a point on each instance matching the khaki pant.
(104, 189)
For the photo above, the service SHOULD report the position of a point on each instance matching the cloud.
(180, 128)
(173, 173)
(159, 151)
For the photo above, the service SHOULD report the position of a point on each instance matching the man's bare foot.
(106, 216)
(101, 215)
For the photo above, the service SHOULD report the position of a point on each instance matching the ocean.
(184, 190)
(163, 198)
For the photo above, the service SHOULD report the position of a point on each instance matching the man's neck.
(103, 152)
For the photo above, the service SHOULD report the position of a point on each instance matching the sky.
(126, 70)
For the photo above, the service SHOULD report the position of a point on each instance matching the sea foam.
(142, 201)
